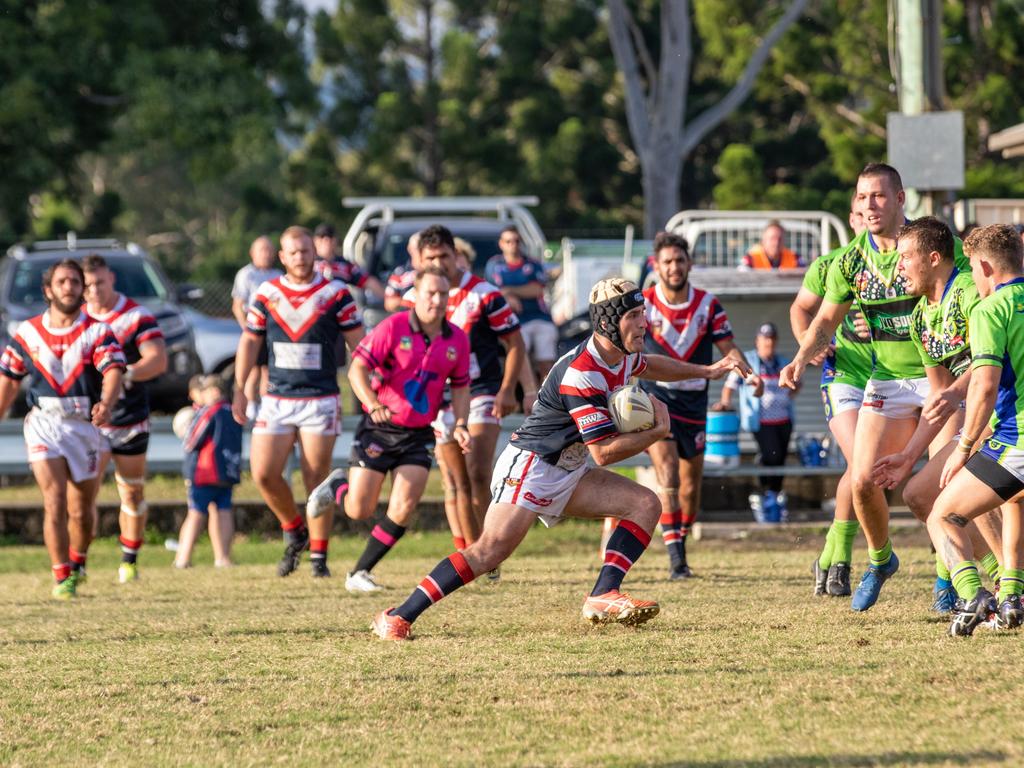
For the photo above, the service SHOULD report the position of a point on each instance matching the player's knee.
(917, 498)
(264, 476)
(646, 508)
(863, 487)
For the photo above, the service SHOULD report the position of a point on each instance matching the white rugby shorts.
(52, 436)
(840, 398)
(541, 339)
(312, 415)
(112, 438)
(897, 399)
(523, 478)
(480, 412)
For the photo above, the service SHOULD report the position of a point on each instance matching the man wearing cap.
(334, 267)
(770, 419)
(543, 472)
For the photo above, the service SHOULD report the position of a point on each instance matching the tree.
(656, 97)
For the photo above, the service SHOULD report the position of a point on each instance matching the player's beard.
(66, 308)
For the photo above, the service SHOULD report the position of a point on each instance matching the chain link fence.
(215, 300)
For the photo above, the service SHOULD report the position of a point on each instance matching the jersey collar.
(1015, 281)
(595, 353)
(661, 296)
(871, 238)
(414, 324)
(949, 283)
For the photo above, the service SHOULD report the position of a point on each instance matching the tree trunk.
(661, 174)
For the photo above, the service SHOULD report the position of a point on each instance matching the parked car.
(380, 232)
(137, 275)
(216, 341)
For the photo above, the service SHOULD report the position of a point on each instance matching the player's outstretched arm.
(664, 368)
(815, 341)
(621, 446)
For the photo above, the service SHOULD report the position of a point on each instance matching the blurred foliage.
(193, 126)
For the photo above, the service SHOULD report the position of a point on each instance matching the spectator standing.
(521, 281)
(771, 252)
(261, 267)
(769, 418)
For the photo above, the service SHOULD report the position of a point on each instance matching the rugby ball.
(181, 421)
(631, 409)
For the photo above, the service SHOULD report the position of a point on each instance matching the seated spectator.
(771, 252)
(769, 419)
(521, 281)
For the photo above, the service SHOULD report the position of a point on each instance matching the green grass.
(171, 488)
(743, 667)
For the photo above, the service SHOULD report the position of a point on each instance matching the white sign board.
(927, 149)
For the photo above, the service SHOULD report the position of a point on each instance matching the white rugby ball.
(631, 409)
(181, 420)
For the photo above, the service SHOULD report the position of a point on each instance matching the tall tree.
(656, 96)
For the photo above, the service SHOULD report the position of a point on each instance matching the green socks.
(881, 557)
(825, 558)
(1011, 583)
(940, 568)
(991, 565)
(845, 533)
(966, 580)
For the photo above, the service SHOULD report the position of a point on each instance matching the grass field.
(743, 667)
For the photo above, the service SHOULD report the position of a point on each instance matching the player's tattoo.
(950, 553)
(819, 344)
(958, 520)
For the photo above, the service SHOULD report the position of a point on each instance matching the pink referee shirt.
(412, 369)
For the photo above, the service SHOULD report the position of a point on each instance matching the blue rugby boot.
(945, 597)
(871, 583)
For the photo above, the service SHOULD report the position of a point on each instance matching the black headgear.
(610, 299)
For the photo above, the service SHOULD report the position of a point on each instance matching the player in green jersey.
(995, 474)
(846, 368)
(866, 271)
(940, 331)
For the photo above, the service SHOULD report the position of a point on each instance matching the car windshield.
(396, 251)
(133, 277)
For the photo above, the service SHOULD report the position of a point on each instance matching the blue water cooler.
(722, 437)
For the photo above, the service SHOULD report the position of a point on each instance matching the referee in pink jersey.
(399, 373)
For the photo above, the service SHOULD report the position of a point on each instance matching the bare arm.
(815, 341)
(109, 393)
(238, 309)
(664, 368)
(392, 303)
(802, 312)
(8, 391)
(245, 360)
(515, 361)
(374, 286)
(354, 336)
(152, 361)
(981, 399)
(460, 407)
(533, 290)
(728, 348)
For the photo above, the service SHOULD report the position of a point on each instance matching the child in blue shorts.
(213, 457)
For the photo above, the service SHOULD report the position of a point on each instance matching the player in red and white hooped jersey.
(685, 323)
(480, 310)
(127, 435)
(74, 366)
(543, 472)
(301, 316)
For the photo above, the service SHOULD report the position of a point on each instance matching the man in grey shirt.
(260, 269)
